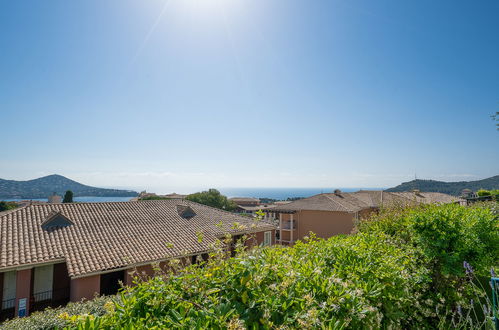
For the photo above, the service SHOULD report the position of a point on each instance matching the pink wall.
(257, 238)
(23, 287)
(143, 272)
(85, 287)
(324, 223)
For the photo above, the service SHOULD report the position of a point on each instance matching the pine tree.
(68, 197)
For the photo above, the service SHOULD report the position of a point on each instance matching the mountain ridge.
(451, 188)
(45, 186)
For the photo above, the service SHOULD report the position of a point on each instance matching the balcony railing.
(52, 298)
(7, 311)
(42, 296)
(9, 303)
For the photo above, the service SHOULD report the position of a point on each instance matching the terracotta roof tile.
(430, 197)
(112, 235)
(360, 200)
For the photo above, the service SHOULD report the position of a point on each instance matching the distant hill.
(45, 186)
(451, 188)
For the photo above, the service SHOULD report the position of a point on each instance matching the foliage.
(403, 269)
(495, 117)
(212, 198)
(153, 198)
(354, 281)
(478, 311)
(266, 200)
(5, 206)
(483, 192)
(447, 235)
(68, 197)
(52, 318)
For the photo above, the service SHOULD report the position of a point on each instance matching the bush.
(354, 281)
(483, 192)
(447, 235)
(5, 206)
(54, 318)
(153, 198)
(403, 269)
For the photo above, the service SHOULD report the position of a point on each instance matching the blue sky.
(190, 94)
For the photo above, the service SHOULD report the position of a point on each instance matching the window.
(9, 290)
(42, 282)
(267, 238)
(55, 220)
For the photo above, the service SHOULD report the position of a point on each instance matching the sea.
(273, 193)
(283, 193)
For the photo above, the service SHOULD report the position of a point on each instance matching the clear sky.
(188, 94)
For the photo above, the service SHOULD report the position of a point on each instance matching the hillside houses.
(335, 213)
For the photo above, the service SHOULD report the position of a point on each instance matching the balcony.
(54, 298)
(8, 309)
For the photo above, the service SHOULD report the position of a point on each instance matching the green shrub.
(154, 198)
(447, 235)
(483, 192)
(355, 281)
(403, 269)
(54, 318)
(5, 206)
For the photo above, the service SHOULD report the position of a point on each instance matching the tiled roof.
(106, 236)
(360, 200)
(430, 197)
(244, 199)
(324, 202)
(175, 196)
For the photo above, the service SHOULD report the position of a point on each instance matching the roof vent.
(56, 220)
(185, 212)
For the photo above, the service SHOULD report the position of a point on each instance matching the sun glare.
(209, 7)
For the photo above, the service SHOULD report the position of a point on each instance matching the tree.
(4, 206)
(483, 192)
(68, 197)
(496, 118)
(212, 198)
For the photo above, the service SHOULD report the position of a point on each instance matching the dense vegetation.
(44, 187)
(153, 198)
(452, 188)
(5, 206)
(68, 197)
(402, 269)
(212, 198)
(483, 193)
(57, 318)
